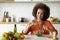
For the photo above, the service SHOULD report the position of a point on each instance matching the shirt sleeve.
(50, 26)
(29, 29)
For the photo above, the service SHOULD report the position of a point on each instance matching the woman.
(41, 13)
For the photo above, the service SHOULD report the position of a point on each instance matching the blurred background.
(21, 11)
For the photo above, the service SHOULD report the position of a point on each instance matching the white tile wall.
(25, 9)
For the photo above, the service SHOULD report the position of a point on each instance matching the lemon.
(5, 35)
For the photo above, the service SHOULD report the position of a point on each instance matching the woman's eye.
(38, 12)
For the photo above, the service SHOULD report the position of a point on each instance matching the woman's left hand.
(38, 33)
(53, 39)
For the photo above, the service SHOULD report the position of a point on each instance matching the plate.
(34, 37)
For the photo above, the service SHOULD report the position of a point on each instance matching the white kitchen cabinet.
(21, 27)
(37, 0)
(10, 27)
(6, 28)
(45, 0)
(14, 0)
(29, 0)
(21, 0)
(53, 0)
(6, 0)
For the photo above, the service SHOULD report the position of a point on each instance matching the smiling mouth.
(40, 17)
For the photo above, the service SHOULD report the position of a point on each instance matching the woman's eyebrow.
(38, 12)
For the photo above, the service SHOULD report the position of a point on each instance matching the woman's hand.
(27, 27)
(38, 33)
(54, 35)
(52, 39)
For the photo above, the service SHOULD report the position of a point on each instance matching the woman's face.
(39, 14)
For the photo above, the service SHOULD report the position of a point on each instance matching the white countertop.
(34, 37)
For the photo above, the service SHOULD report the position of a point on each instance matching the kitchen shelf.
(55, 22)
(36, 1)
(28, 1)
(23, 22)
(13, 22)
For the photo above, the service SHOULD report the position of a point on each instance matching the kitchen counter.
(34, 37)
(55, 22)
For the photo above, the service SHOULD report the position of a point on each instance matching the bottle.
(4, 17)
(7, 15)
(14, 20)
(15, 29)
(9, 19)
(22, 19)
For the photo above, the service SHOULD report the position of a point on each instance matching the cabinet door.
(6, 0)
(37, 0)
(6, 28)
(21, 27)
(53, 0)
(10, 27)
(21, 0)
(45, 0)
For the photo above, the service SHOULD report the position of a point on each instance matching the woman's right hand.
(27, 27)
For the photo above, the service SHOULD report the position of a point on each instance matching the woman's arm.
(51, 27)
(27, 29)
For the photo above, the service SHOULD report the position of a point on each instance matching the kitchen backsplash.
(25, 10)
